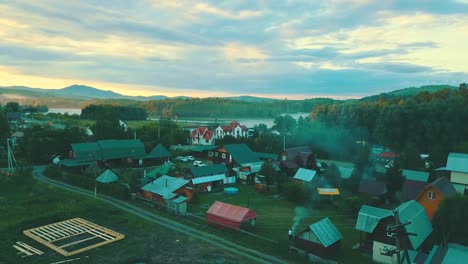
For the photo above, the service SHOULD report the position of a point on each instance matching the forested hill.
(434, 123)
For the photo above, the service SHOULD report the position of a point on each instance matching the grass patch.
(35, 204)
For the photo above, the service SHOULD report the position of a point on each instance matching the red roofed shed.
(228, 215)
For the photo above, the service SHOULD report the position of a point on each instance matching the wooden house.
(457, 164)
(240, 158)
(206, 178)
(292, 159)
(165, 188)
(321, 239)
(433, 194)
(373, 222)
(229, 216)
(415, 182)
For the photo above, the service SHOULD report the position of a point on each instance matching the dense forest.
(433, 123)
(92, 112)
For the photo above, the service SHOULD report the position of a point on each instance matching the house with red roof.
(232, 129)
(202, 136)
(229, 216)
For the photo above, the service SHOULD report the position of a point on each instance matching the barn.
(229, 216)
(321, 239)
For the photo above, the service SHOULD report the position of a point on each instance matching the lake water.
(248, 122)
(70, 111)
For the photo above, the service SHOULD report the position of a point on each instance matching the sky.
(270, 48)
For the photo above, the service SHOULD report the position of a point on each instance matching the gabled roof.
(241, 153)
(116, 149)
(201, 148)
(262, 155)
(107, 176)
(211, 178)
(444, 186)
(326, 232)
(413, 212)
(159, 152)
(293, 152)
(208, 170)
(372, 187)
(415, 175)
(369, 217)
(159, 170)
(457, 162)
(89, 151)
(411, 189)
(165, 185)
(305, 174)
(200, 130)
(346, 172)
(74, 163)
(231, 212)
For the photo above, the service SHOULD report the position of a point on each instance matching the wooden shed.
(321, 239)
(229, 216)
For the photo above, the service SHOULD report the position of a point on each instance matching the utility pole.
(11, 156)
(397, 230)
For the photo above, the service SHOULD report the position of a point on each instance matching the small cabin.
(321, 239)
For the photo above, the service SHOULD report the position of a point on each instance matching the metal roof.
(180, 199)
(444, 186)
(241, 153)
(89, 151)
(262, 155)
(74, 163)
(457, 162)
(369, 217)
(161, 170)
(208, 170)
(117, 149)
(159, 152)
(305, 174)
(326, 232)
(345, 172)
(208, 179)
(328, 191)
(164, 185)
(231, 212)
(415, 175)
(456, 253)
(413, 212)
(107, 177)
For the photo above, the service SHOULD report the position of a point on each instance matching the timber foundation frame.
(74, 233)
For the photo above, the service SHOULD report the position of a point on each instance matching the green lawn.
(36, 204)
(274, 218)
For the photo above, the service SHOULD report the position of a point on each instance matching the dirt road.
(255, 256)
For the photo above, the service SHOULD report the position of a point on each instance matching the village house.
(433, 194)
(372, 188)
(457, 164)
(202, 136)
(165, 188)
(415, 182)
(306, 176)
(240, 158)
(292, 159)
(452, 253)
(207, 178)
(229, 216)
(321, 239)
(374, 221)
(233, 129)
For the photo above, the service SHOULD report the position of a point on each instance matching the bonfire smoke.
(299, 214)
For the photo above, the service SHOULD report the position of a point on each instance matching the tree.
(297, 193)
(268, 171)
(393, 179)
(11, 107)
(333, 175)
(107, 125)
(285, 124)
(449, 221)
(4, 129)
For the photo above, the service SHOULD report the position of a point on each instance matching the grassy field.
(275, 216)
(32, 205)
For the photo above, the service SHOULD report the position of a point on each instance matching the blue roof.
(369, 217)
(456, 253)
(346, 172)
(415, 175)
(413, 212)
(164, 185)
(305, 174)
(326, 232)
(457, 162)
(211, 178)
(107, 177)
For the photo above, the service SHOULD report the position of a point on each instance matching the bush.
(22, 175)
(297, 193)
(53, 171)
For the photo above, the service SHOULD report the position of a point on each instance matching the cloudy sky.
(274, 48)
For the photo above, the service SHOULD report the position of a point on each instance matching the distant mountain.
(248, 98)
(86, 92)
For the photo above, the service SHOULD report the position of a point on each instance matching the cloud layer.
(294, 49)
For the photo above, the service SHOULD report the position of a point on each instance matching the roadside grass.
(35, 204)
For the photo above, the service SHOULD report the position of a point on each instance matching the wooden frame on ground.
(76, 233)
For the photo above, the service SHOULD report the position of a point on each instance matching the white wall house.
(233, 129)
(457, 164)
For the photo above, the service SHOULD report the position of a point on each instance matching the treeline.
(92, 112)
(223, 107)
(433, 123)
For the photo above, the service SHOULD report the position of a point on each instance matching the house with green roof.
(372, 222)
(321, 239)
(165, 188)
(457, 164)
(206, 178)
(159, 152)
(108, 150)
(240, 158)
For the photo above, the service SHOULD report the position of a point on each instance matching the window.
(210, 153)
(224, 155)
(216, 154)
(431, 195)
